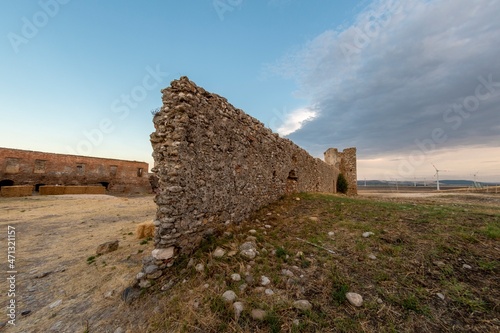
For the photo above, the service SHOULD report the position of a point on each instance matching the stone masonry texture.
(215, 165)
(23, 167)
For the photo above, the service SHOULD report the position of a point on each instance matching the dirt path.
(55, 237)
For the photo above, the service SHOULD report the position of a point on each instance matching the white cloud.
(294, 120)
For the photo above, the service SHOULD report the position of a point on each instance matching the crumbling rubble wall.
(215, 165)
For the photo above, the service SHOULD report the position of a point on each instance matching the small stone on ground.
(354, 299)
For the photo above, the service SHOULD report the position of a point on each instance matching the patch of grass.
(412, 303)
(281, 253)
(347, 325)
(461, 293)
(488, 265)
(338, 293)
(492, 230)
(91, 259)
(273, 321)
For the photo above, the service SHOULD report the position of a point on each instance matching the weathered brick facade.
(23, 167)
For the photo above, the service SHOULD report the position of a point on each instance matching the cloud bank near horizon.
(407, 77)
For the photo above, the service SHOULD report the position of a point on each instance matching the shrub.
(342, 184)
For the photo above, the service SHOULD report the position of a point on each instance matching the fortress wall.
(215, 165)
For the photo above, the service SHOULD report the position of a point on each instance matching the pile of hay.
(145, 230)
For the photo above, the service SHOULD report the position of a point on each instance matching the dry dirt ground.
(66, 288)
(57, 280)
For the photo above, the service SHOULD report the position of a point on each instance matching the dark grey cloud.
(405, 73)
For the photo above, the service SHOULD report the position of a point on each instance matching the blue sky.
(82, 76)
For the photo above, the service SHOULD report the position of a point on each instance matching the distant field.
(409, 189)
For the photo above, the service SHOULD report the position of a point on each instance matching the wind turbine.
(476, 185)
(437, 176)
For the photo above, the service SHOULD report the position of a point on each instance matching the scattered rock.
(107, 247)
(269, 292)
(169, 285)
(259, 290)
(199, 267)
(243, 287)
(251, 238)
(41, 275)
(238, 309)
(109, 294)
(163, 254)
(248, 250)
(287, 272)
(145, 284)
(258, 314)
(119, 330)
(229, 296)
(354, 299)
(190, 262)
(155, 275)
(372, 256)
(331, 234)
(298, 199)
(264, 280)
(235, 277)
(56, 303)
(232, 253)
(267, 226)
(466, 266)
(253, 231)
(249, 279)
(140, 275)
(25, 312)
(314, 219)
(219, 253)
(303, 305)
(151, 269)
(296, 322)
(380, 301)
(249, 254)
(439, 263)
(248, 246)
(367, 234)
(206, 285)
(299, 254)
(129, 294)
(441, 296)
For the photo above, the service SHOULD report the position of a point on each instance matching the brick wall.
(22, 167)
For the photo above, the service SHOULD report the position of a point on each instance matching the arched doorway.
(6, 182)
(292, 182)
(37, 187)
(105, 184)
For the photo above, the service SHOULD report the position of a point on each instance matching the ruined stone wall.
(345, 161)
(22, 167)
(215, 165)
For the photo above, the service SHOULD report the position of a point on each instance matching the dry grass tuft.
(145, 230)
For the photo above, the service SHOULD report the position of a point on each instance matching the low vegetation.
(426, 267)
